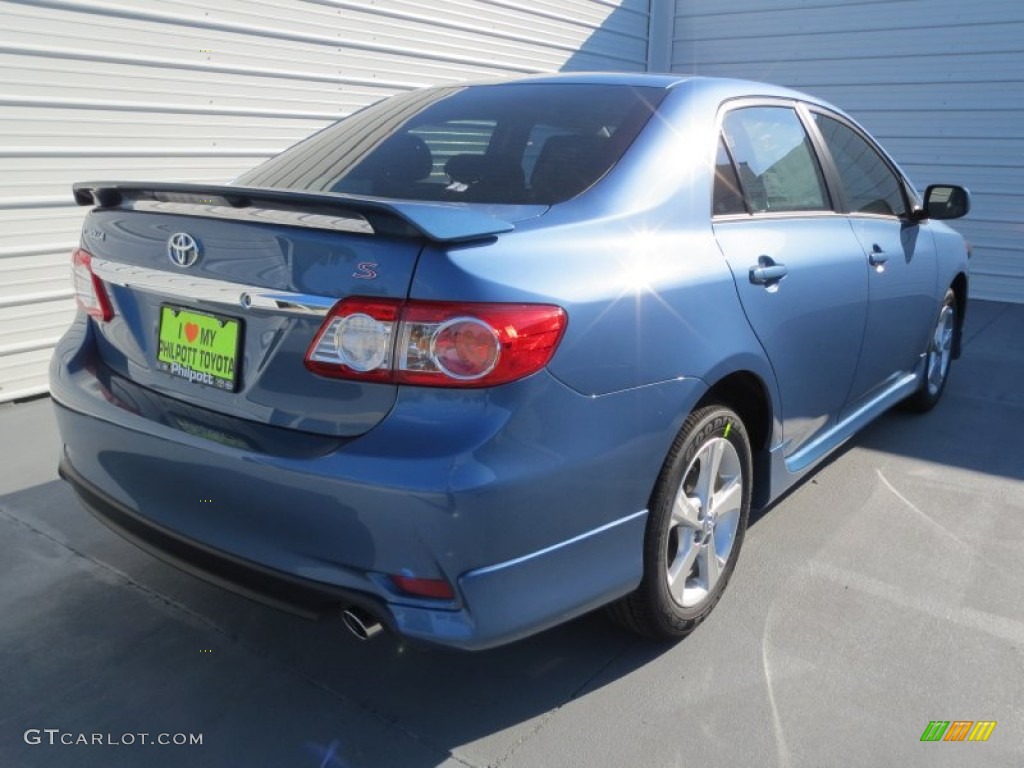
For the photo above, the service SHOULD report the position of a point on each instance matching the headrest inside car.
(468, 169)
(405, 158)
(567, 165)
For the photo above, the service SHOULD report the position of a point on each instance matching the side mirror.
(945, 201)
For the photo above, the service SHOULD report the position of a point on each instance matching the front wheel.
(938, 358)
(695, 527)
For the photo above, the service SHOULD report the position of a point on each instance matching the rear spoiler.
(441, 222)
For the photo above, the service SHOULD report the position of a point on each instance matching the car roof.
(724, 87)
(601, 78)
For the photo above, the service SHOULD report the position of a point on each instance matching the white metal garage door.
(939, 82)
(191, 90)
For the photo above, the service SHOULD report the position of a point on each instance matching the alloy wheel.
(704, 521)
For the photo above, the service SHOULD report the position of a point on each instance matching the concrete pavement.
(885, 592)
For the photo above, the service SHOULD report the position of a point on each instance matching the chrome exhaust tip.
(361, 624)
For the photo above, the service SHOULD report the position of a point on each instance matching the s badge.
(365, 270)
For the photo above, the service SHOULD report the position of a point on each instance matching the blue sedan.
(478, 359)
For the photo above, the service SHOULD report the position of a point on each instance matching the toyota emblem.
(183, 249)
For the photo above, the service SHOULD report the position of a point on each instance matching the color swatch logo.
(958, 730)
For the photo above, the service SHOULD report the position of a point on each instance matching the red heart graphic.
(191, 331)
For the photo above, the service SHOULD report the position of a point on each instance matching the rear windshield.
(521, 143)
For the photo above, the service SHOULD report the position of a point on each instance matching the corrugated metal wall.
(192, 90)
(939, 82)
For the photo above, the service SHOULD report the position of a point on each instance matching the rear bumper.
(530, 501)
(303, 597)
(513, 599)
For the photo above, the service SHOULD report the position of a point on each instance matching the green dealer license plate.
(200, 347)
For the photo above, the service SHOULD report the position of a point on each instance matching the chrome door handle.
(767, 271)
(877, 257)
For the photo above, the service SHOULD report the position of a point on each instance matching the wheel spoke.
(710, 460)
(934, 370)
(727, 518)
(679, 571)
(685, 510)
(946, 343)
(708, 565)
(728, 498)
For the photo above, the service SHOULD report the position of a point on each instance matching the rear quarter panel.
(633, 261)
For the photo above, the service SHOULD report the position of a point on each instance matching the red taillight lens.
(465, 348)
(475, 345)
(441, 344)
(89, 292)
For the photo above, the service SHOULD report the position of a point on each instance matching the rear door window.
(777, 168)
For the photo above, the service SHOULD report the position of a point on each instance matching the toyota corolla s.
(479, 359)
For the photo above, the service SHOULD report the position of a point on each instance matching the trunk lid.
(218, 291)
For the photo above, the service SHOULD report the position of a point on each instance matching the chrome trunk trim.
(189, 288)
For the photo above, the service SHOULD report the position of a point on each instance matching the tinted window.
(512, 143)
(728, 195)
(778, 170)
(455, 137)
(869, 185)
(539, 135)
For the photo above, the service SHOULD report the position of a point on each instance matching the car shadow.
(977, 424)
(119, 624)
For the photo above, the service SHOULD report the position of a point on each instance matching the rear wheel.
(695, 527)
(938, 358)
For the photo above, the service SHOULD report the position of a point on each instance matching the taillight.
(440, 344)
(356, 340)
(89, 292)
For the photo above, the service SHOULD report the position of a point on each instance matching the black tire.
(930, 392)
(652, 610)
